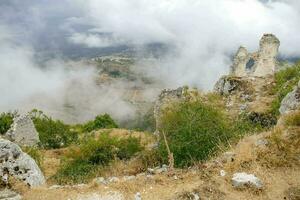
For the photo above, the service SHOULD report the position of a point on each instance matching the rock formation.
(14, 162)
(291, 101)
(260, 63)
(23, 132)
(166, 97)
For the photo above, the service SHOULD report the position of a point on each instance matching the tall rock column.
(268, 51)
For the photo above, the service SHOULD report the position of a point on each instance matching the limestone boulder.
(23, 132)
(291, 101)
(243, 180)
(14, 162)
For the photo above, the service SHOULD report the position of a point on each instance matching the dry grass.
(275, 164)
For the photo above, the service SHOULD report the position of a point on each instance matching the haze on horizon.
(39, 38)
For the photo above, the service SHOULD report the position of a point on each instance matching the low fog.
(39, 41)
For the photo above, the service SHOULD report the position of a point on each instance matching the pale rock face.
(23, 131)
(266, 63)
(240, 60)
(260, 63)
(14, 162)
(291, 101)
(7, 194)
(243, 180)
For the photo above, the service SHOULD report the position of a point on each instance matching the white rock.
(113, 179)
(23, 131)
(242, 180)
(128, 178)
(15, 162)
(100, 180)
(7, 194)
(222, 173)
(137, 196)
(52, 187)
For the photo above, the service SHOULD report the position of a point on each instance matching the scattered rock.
(262, 142)
(291, 101)
(137, 196)
(242, 180)
(158, 170)
(7, 194)
(14, 162)
(100, 180)
(113, 179)
(23, 132)
(128, 178)
(228, 157)
(222, 173)
(293, 193)
(95, 196)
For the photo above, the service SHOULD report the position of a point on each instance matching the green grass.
(193, 130)
(100, 121)
(52, 133)
(285, 81)
(6, 119)
(86, 161)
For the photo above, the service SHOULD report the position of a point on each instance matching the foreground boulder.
(243, 180)
(291, 101)
(23, 132)
(14, 162)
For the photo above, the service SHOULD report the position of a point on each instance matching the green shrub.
(128, 147)
(285, 81)
(194, 130)
(6, 119)
(52, 133)
(92, 155)
(101, 121)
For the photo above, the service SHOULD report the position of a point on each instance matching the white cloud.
(204, 33)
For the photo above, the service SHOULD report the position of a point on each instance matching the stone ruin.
(260, 63)
(22, 131)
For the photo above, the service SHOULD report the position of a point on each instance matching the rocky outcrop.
(165, 98)
(14, 162)
(260, 63)
(291, 101)
(243, 180)
(23, 132)
(228, 85)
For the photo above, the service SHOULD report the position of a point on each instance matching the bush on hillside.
(84, 162)
(52, 133)
(194, 130)
(285, 81)
(101, 121)
(6, 119)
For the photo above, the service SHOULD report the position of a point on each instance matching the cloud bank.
(201, 37)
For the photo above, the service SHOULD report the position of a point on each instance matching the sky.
(37, 37)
